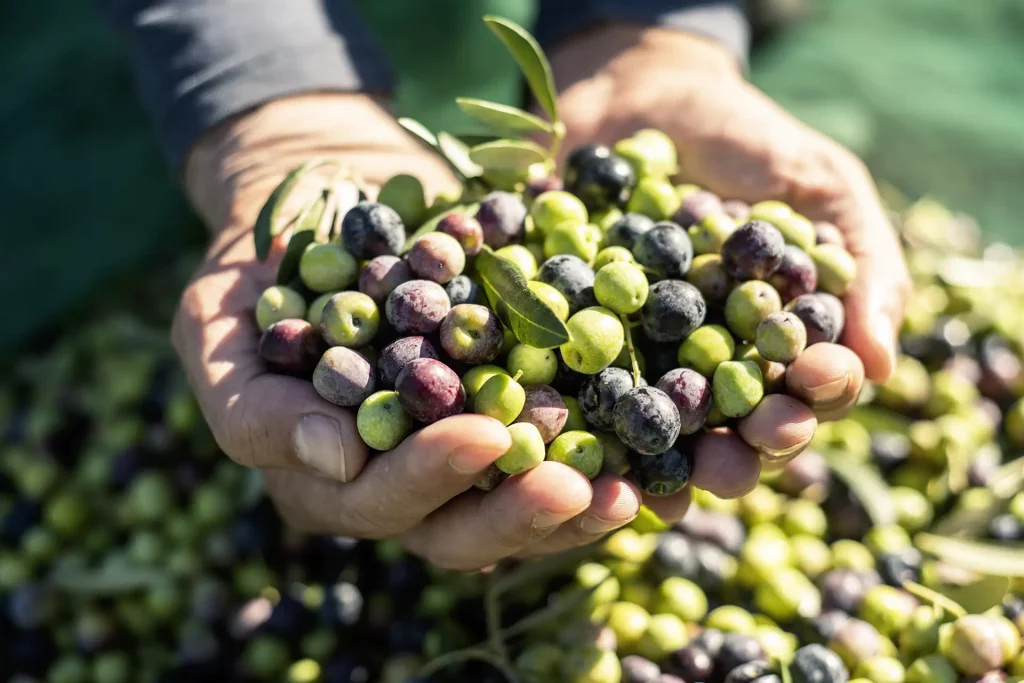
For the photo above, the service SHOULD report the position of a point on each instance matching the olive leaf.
(532, 62)
(503, 155)
(109, 580)
(420, 131)
(268, 224)
(456, 153)
(431, 224)
(997, 559)
(503, 118)
(531, 320)
(867, 486)
(981, 593)
(302, 237)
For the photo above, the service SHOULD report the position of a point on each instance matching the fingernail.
(545, 519)
(318, 444)
(829, 391)
(594, 525)
(885, 335)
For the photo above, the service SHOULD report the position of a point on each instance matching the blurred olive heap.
(131, 550)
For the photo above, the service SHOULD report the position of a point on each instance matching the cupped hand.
(733, 140)
(316, 468)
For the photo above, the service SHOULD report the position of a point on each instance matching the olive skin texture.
(596, 337)
(291, 347)
(664, 474)
(465, 229)
(429, 390)
(600, 393)
(437, 257)
(708, 275)
(817, 664)
(822, 316)
(344, 377)
(691, 392)
(665, 250)
(753, 251)
(472, 333)
(396, 355)
(545, 409)
(738, 649)
(696, 207)
(646, 420)
(461, 290)
(636, 669)
(381, 275)
(382, 422)
(796, 274)
(627, 230)
(371, 229)
(417, 307)
(692, 663)
(673, 310)
(602, 182)
(572, 277)
(501, 217)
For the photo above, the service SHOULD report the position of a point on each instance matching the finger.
(397, 489)
(724, 464)
(828, 378)
(779, 428)
(876, 299)
(478, 529)
(258, 419)
(616, 502)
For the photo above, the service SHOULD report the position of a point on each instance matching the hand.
(315, 466)
(736, 142)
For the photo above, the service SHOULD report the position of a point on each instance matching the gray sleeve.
(198, 62)
(721, 20)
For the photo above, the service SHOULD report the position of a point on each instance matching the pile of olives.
(681, 311)
(132, 550)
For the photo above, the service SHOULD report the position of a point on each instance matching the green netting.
(929, 92)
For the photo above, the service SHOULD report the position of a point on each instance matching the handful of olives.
(633, 270)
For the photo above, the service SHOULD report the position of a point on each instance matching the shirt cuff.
(722, 21)
(199, 62)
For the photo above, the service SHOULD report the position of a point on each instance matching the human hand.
(736, 142)
(315, 466)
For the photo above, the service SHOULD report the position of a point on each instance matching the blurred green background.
(929, 92)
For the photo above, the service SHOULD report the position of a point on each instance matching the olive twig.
(558, 132)
(480, 654)
(492, 612)
(935, 598)
(535, 570)
(552, 611)
(632, 351)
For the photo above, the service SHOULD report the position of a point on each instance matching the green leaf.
(531, 59)
(508, 155)
(456, 153)
(982, 593)
(109, 580)
(531, 320)
(419, 130)
(431, 224)
(867, 485)
(998, 559)
(304, 235)
(503, 118)
(268, 224)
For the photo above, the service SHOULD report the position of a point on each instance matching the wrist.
(234, 167)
